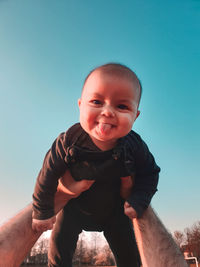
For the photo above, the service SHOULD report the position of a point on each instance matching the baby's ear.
(138, 113)
(79, 102)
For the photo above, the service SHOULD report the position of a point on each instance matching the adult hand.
(129, 211)
(71, 187)
(67, 189)
(43, 225)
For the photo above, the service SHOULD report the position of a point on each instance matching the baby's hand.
(129, 211)
(43, 225)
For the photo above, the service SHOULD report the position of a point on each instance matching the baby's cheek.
(127, 123)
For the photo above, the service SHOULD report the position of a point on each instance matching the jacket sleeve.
(146, 179)
(53, 168)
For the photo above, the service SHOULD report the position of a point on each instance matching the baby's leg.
(67, 189)
(120, 236)
(64, 238)
(126, 186)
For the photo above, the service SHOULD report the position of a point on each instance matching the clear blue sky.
(47, 47)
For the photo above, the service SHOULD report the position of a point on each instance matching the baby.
(103, 155)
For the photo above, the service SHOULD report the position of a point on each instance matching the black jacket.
(74, 150)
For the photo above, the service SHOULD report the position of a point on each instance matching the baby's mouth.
(104, 128)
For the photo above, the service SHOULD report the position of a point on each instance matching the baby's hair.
(121, 71)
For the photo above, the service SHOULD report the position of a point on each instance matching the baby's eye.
(122, 106)
(96, 102)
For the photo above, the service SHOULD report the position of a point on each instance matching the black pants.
(118, 231)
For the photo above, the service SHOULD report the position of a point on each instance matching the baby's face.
(108, 108)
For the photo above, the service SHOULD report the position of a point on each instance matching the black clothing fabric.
(100, 208)
(118, 232)
(74, 150)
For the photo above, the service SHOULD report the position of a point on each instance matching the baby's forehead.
(119, 76)
(103, 75)
(111, 80)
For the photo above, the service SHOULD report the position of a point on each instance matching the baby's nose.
(108, 111)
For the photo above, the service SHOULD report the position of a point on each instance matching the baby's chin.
(103, 142)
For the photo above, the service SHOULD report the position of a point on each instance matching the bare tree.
(95, 240)
(193, 240)
(104, 256)
(189, 240)
(38, 253)
(179, 238)
(82, 253)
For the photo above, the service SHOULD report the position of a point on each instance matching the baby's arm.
(142, 163)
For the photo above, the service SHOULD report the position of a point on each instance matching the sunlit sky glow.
(48, 47)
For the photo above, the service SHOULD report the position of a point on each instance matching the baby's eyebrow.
(97, 95)
(125, 101)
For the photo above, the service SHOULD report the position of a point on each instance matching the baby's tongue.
(104, 127)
